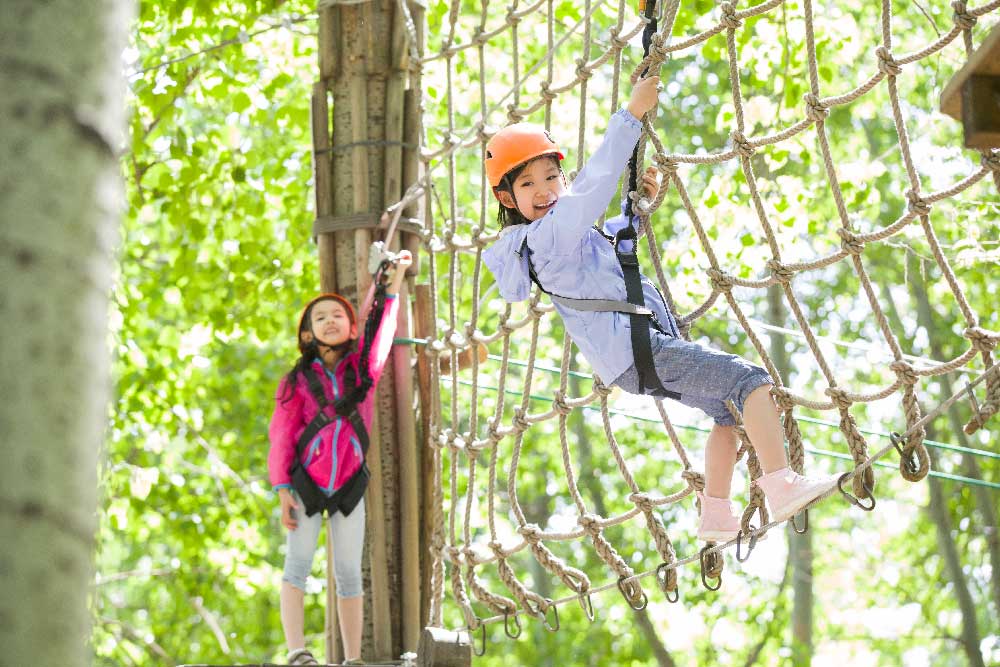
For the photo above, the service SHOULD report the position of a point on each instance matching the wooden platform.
(973, 94)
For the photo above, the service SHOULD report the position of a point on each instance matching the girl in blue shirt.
(548, 235)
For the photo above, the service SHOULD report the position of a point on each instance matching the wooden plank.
(981, 112)
(984, 61)
(422, 329)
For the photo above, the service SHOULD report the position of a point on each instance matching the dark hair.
(507, 216)
(309, 351)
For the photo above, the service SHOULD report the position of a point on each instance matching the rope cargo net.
(479, 434)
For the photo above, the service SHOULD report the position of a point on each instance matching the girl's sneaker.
(719, 519)
(788, 492)
(302, 656)
(355, 661)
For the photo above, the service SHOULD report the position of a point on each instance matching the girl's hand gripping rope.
(644, 96)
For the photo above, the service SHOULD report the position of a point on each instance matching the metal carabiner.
(851, 498)
(630, 594)
(555, 613)
(702, 555)
(805, 526)
(482, 642)
(664, 574)
(507, 615)
(739, 544)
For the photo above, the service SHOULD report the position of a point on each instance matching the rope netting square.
(508, 64)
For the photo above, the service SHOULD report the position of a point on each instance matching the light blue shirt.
(573, 259)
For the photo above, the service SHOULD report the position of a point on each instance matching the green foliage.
(216, 260)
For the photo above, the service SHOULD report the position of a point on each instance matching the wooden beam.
(973, 94)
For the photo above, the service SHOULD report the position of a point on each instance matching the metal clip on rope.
(482, 641)
(506, 624)
(855, 501)
(630, 595)
(750, 546)
(805, 524)
(707, 560)
(910, 462)
(663, 576)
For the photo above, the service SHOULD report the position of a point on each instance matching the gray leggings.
(705, 378)
(348, 544)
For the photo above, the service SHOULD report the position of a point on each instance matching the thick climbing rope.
(459, 432)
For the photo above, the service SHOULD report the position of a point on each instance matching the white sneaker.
(788, 492)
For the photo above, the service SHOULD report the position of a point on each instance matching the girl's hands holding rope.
(644, 96)
(650, 185)
(402, 261)
(288, 505)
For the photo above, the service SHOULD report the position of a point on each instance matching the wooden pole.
(370, 152)
(422, 329)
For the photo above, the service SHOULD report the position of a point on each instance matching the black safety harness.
(641, 318)
(347, 497)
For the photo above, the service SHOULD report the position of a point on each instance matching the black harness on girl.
(347, 497)
(641, 318)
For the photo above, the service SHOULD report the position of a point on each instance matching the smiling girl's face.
(536, 189)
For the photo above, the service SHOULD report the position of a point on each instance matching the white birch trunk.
(61, 105)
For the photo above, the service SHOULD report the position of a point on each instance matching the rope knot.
(519, 422)
(742, 145)
(658, 46)
(849, 241)
(559, 404)
(991, 161)
(667, 166)
(512, 18)
(963, 19)
(582, 71)
(643, 501)
(782, 398)
(816, 111)
(616, 41)
(982, 339)
(729, 18)
(721, 281)
(781, 273)
(547, 94)
(497, 548)
(695, 479)
(839, 397)
(513, 114)
(507, 327)
(531, 533)
(601, 389)
(916, 204)
(480, 38)
(886, 63)
(493, 433)
(590, 523)
(904, 371)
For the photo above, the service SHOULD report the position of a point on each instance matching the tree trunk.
(985, 503)
(62, 109)
(365, 147)
(800, 553)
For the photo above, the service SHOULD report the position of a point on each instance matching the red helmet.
(513, 146)
(329, 296)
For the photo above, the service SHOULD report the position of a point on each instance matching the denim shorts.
(699, 376)
(348, 544)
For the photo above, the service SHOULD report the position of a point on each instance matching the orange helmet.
(329, 296)
(514, 145)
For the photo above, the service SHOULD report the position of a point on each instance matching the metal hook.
(588, 606)
(702, 555)
(506, 624)
(851, 498)
(972, 397)
(662, 573)
(739, 544)
(629, 597)
(805, 523)
(910, 462)
(555, 613)
(482, 642)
